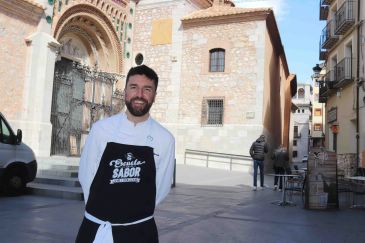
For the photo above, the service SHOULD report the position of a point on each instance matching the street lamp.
(317, 69)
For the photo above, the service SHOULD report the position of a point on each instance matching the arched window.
(216, 60)
(301, 93)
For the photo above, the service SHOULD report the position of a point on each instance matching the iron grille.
(212, 111)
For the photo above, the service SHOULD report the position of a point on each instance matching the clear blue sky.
(300, 30)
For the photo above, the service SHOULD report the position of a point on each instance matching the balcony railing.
(323, 53)
(345, 18)
(322, 99)
(323, 9)
(344, 72)
(327, 2)
(327, 86)
(328, 38)
(330, 77)
(324, 92)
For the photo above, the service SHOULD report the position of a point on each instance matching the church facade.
(224, 77)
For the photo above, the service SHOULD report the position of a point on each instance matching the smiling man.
(126, 168)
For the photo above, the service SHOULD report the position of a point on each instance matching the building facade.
(341, 87)
(221, 68)
(318, 115)
(224, 78)
(302, 118)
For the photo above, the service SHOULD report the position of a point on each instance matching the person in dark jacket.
(281, 165)
(257, 152)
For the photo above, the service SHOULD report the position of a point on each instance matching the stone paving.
(207, 205)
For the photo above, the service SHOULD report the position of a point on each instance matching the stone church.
(224, 77)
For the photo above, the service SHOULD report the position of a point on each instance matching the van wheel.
(14, 182)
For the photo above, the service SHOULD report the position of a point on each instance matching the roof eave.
(228, 18)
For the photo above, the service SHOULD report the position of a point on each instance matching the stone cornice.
(26, 9)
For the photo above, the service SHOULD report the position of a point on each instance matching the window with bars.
(212, 111)
(216, 60)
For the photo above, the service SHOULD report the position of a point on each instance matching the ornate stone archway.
(89, 64)
(91, 26)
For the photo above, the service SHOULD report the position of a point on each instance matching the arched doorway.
(86, 72)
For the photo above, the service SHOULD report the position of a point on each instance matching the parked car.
(18, 164)
(305, 159)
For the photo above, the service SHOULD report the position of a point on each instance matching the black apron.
(123, 191)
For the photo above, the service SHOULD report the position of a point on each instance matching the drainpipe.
(358, 87)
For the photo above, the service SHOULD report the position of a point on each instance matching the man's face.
(140, 94)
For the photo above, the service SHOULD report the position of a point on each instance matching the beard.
(138, 110)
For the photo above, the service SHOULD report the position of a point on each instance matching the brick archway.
(94, 29)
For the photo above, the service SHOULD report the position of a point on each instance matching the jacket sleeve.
(165, 171)
(89, 162)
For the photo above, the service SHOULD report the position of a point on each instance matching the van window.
(5, 135)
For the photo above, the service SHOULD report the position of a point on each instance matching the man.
(257, 152)
(281, 165)
(126, 168)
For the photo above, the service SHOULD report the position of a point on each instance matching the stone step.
(65, 192)
(59, 160)
(58, 173)
(57, 177)
(50, 166)
(57, 180)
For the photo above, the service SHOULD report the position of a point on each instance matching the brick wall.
(13, 61)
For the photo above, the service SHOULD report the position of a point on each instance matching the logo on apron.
(127, 170)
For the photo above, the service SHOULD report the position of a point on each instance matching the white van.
(18, 164)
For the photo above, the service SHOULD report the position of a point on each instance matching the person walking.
(126, 168)
(281, 165)
(257, 152)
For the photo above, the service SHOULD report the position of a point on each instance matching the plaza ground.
(207, 205)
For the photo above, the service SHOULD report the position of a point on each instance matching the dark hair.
(143, 70)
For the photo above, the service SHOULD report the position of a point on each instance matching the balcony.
(330, 78)
(327, 2)
(328, 38)
(323, 10)
(345, 17)
(324, 92)
(323, 53)
(322, 99)
(327, 86)
(344, 72)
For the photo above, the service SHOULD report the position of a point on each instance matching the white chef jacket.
(119, 129)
